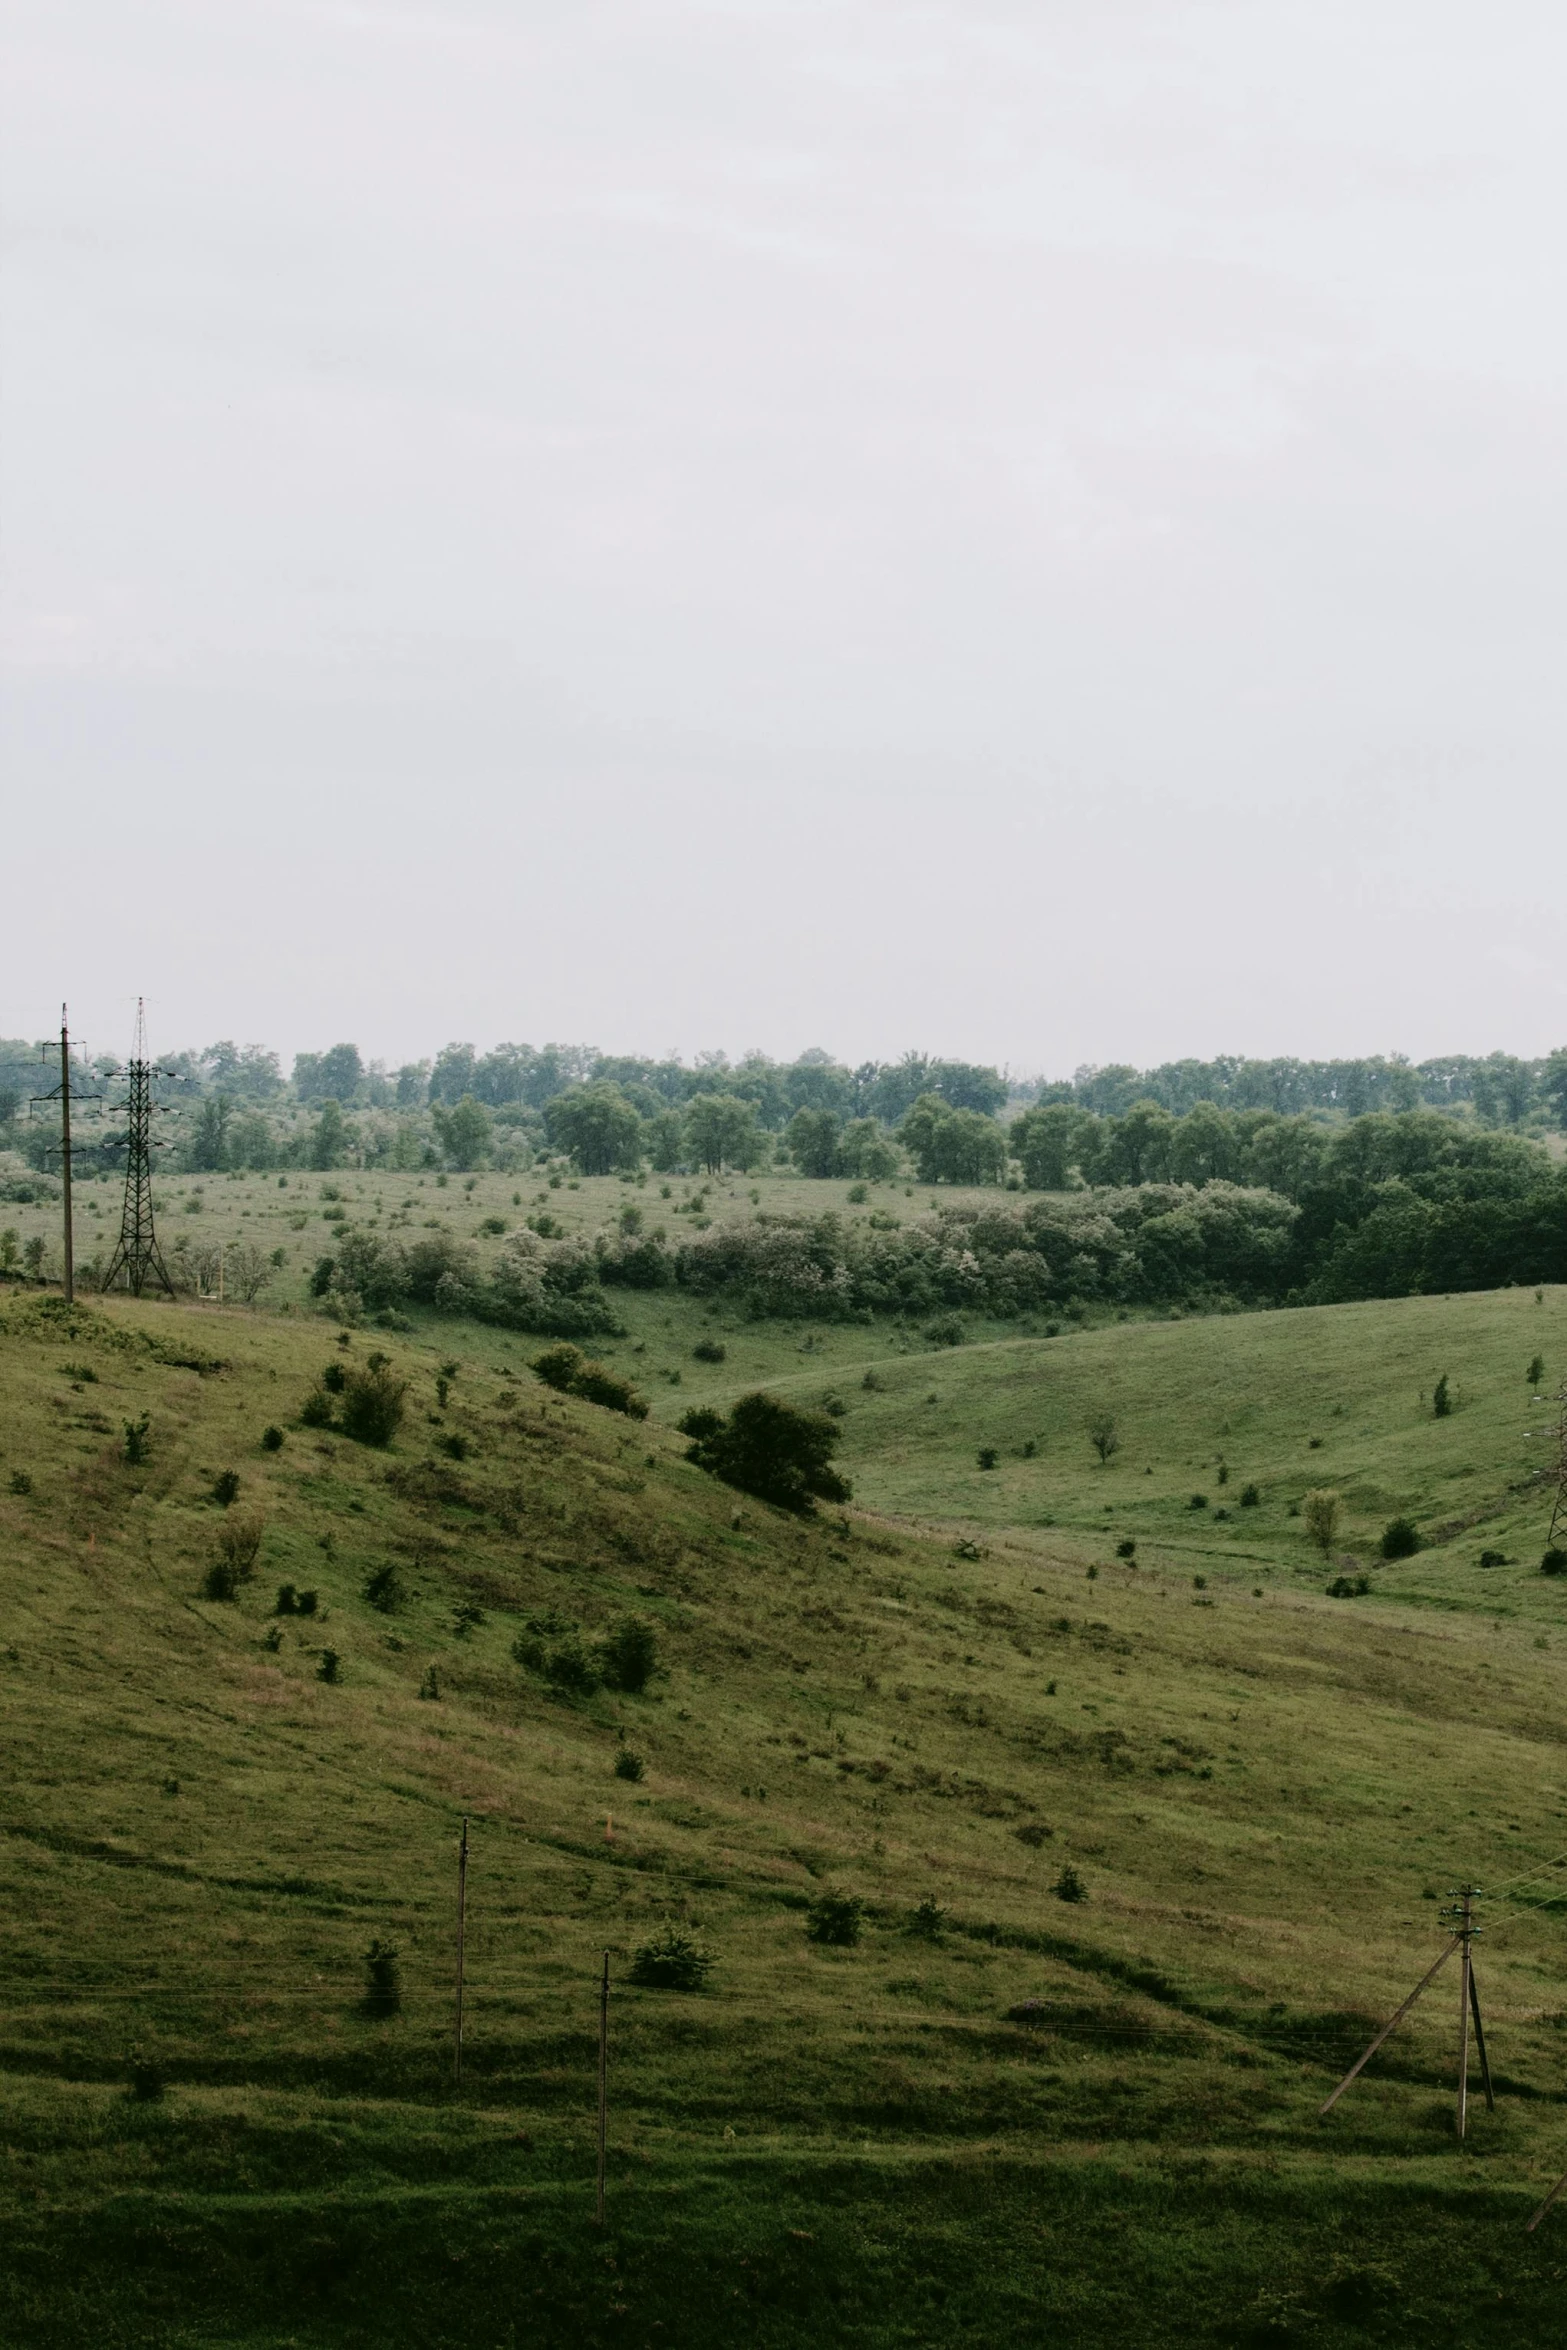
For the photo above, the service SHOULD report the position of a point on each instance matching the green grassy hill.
(1264, 1798)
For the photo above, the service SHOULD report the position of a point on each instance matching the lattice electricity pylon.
(1559, 1512)
(65, 1093)
(136, 1253)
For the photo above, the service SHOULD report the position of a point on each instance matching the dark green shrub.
(1199, 1501)
(1554, 1562)
(20, 1481)
(271, 1439)
(467, 1618)
(629, 1655)
(383, 1979)
(287, 1600)
(988, 1456)
(1034, 1833)
(307, 1602)
(316, 1410)
(1250, 1497)
(629, 1765)
(83, 1373)
(430, 1687)
(1126, 1549)
(383, 1587)
(1349, 1587)
(147, 2082)
(331, 1666)
(137, 1440)
(836, 1918)
(455, 1446)
(1400, 1539)
(672, 1961)
(220, 1581)
(1536, 1371)
(1069, 1885)
(1441, 1399)
(335, 1378)
(949, 1331)
(569, 1667)
(373, 1402)
(770, 1449)
(927, 1918)
(1492, 1558)
(1222, 1473)
(571, 1372)
(225, 1488)
(709, 1350)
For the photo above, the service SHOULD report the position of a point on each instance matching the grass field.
(1265, 1798)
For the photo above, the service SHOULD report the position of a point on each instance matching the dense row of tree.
(1503, 1090)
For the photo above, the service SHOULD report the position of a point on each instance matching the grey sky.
(1036, 531)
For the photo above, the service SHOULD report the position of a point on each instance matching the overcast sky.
(1034, 531)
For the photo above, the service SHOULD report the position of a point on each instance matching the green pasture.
(935, 1695)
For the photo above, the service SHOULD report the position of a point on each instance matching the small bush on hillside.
(383, 1979)
(220, 1581)
(239, 1546)
(949, 1331)
(672, 1961)
(1536, 1371)
(769, 1448)
(1199, 1501)
(331, 1666)
(927, 1918)
(1069, 1885)
(1250, 1497)
(373, 1403)
(836, 1919)
(335, 1378)
(1126, 1549)
(287, 1600)
(20, 1481)
(383, 1588)
(1554, 1562)
(307, 1602)
(571, 1668)
(271, 1439)
(629, 1765)
(1441, 1399)
(225, 1488)
(467, 1618)
(629, 1655)
(988, 1456)
(137, 1440)
(1493, 1558)
(1349, 1587)
(1034, 1833)
(430, 1687)
(1400, 1539)
(709, 1350)
(1104, 1436)
(316, 1410)
(147, 2082)
(456, 1447)
(570, 1372)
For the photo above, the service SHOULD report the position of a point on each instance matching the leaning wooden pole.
(1360, 2065)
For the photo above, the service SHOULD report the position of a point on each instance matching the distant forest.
(1192, 1186)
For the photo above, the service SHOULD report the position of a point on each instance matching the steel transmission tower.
(137, 1255)
(65, 1093)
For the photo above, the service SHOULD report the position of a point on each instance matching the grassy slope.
(1263, 1796)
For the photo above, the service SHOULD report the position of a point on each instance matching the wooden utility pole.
(1462, 1930)
(462, 1927)
(603, 2085)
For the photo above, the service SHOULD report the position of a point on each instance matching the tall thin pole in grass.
(603, 2085)
(65, 1156)
(462, 1927)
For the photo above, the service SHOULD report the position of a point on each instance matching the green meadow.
(1001, 2114)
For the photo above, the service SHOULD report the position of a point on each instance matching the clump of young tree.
(770, 1449)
